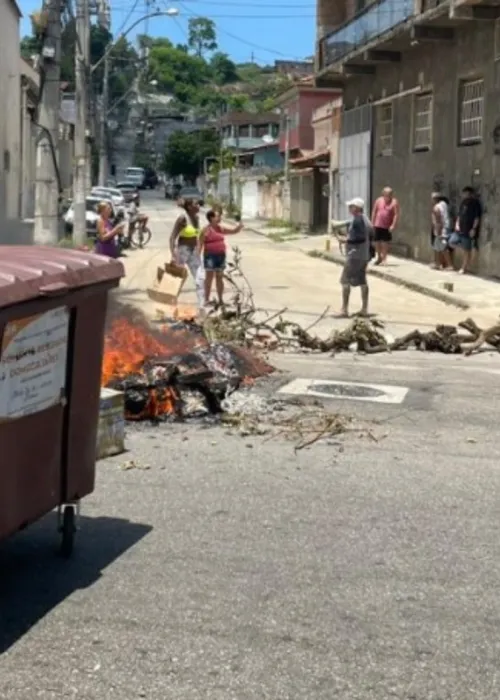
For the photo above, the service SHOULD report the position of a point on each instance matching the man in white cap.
(358, 254)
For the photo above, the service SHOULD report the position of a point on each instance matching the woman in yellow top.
(184, 243)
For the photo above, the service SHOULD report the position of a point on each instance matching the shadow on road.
(34, 579)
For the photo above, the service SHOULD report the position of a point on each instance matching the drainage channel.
(347, 391)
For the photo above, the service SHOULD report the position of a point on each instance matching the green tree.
(124, 61)
(175, 70)
(223, 69)
(186, 152)
(238, 102)
(202, 36)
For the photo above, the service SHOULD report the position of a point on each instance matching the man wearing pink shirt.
(385, 217)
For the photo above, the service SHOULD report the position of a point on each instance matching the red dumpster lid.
(28, 272)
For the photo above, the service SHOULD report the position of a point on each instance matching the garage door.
(355, 158)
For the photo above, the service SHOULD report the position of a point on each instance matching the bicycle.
(139, 233)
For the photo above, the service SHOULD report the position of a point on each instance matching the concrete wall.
(447, 167)
(10, 121)
(329, 14)
(270, 200)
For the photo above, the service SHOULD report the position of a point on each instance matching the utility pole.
(81, 125)
(286, 184)
(46, 230)
(103, 123)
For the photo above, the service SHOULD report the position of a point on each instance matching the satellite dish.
(267, 138)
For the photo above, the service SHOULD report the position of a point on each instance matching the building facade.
(10, 99)
(245, 130)
(421, 87)
(297, 107)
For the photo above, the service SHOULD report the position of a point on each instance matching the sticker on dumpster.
(33, 363)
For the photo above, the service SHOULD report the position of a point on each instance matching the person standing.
(107, 232)
(184, 243)
(358, 254)
(385, 218)
(441, 231)
(212, 245)
(468, 225)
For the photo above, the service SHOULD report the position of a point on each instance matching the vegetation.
(124, 62)
(186, 152)
(201, 79)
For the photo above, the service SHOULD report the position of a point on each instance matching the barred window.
(385, 128)
(422, 122)
(471, 111)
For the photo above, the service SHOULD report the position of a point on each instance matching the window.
(471, 112)
(242, 131)
(422, 122)
(385, 124)
(496, 45)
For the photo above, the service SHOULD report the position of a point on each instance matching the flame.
(126, 347)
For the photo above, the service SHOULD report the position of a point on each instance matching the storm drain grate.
(350, 391)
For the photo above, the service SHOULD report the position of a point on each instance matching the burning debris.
(174, 371)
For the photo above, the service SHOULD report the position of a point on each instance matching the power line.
(126, 20)
(238, 38)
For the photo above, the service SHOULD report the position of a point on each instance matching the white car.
(91, 215)
(112, 193)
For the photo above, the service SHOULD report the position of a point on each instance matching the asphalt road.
(233, 568)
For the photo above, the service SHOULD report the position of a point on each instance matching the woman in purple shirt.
(106, 232)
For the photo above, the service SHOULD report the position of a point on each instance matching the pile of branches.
(241, 322)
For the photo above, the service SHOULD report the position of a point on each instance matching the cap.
(356, 202)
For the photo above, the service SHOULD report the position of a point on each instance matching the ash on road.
(234, 569)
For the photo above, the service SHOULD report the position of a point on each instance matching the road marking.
(346, 391)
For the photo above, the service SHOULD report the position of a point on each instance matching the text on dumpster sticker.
(33, 363)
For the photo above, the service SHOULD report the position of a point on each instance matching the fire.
(126, 348)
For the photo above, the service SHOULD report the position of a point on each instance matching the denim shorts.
(214, 262)
(465, 241)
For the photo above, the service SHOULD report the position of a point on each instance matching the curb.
(445, 297)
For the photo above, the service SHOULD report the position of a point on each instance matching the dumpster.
(52, 319)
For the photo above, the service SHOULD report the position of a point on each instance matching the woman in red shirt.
(213, 245)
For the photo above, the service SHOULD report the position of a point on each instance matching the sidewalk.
(467, 291)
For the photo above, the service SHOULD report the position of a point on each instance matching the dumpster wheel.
(68, 530)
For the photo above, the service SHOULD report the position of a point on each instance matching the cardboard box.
(111, 429)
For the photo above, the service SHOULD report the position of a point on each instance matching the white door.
(250, 199)
(355, 158)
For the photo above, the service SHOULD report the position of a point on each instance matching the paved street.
(232, 568)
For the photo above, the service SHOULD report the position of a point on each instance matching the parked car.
(191, 193)
(91, 215)
(130, 192)
(112, 193)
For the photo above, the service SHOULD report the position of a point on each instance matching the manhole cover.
(278, 286)
(355, 391)
(350, 391)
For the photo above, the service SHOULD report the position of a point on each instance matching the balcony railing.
(372, 23)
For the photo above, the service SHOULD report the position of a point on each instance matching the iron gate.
(355, 158)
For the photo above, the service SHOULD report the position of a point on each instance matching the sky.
(260, 30)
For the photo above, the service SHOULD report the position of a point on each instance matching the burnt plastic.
(48, 457)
